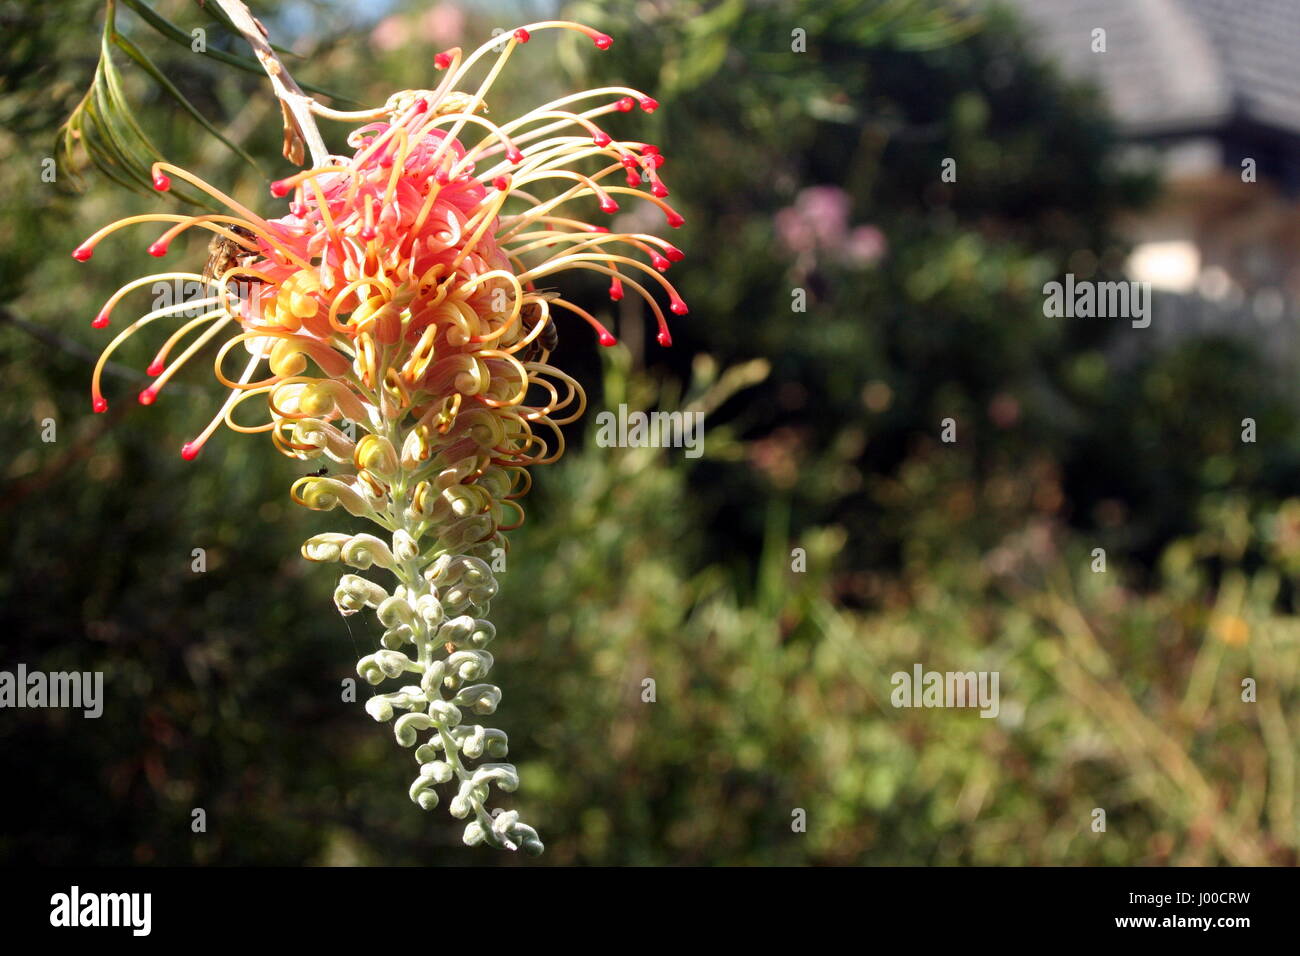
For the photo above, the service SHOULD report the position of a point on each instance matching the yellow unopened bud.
(376, 454)
(370, 481)
(303, 306)
(366, 309)
(422, 499)
(286, 359)
(483, 427)
(417, 447)
(316, 401)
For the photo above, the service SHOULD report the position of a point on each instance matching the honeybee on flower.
(392, 321)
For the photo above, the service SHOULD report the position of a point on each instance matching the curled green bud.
(364, 550)
(480, 698)
(470, 665)
(408, 724)
(445, 713)
(503, 775)
(432, 679)
(324, 547)
(375, 667)
(354, 593)
(422, 792)
(482, 740)
(404, 546)
(439, 770)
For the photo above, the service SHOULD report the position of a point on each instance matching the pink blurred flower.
(443, 25)
(866, 245)
(816, 226)
(826, 210)
(391, 33)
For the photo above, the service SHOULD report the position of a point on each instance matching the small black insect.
(548, 339)
(319, 473)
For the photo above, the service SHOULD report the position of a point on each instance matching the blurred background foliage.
(813, 173)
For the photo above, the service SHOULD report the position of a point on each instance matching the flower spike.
(392, 321)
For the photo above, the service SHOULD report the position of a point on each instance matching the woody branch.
(299, 124)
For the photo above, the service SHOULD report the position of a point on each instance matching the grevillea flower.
(395, 321)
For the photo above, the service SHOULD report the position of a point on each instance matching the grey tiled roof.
(1180, 65)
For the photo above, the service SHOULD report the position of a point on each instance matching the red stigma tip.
(162, 183)
(615, 291)
(421, 105)
(675, 220)
(625, 104)
(678, 307)
(659, 189)
(659, 262)
(649, 104)
(147, 396)
(298, 209)
(597, 228)
(155, 368)
(649, 150)
(673, 253)
(99, 405)
(279, 188)
(100, 321)
(633, 179)
(629, 161)
(601, 138)
(664, 338)
(603, 41)
(608, 205)
(655, 160)
(441, 61)
(158, 249)
(514, 155)
(82, 253)
(368, 233)
(606, 339)
(501, 183)
(522, 35)
(190, 451)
